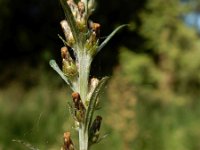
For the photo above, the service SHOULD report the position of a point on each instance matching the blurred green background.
(152, 101)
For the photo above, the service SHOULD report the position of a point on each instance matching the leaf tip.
(52, 63)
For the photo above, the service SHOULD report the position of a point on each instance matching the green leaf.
(110, 36)
(92, 101)
(70, 19)
(54, 65)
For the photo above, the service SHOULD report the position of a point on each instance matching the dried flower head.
(67, 32)
(69, 68)
(68, 144)
(76, 96)
(79, 107)
(64, 52)
(95, 129)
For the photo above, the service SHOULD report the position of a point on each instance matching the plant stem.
(84, 62)
(82, 36)
(83, 137)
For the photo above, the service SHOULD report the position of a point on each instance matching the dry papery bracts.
(68, 144)
(79, 109)
(94, 131)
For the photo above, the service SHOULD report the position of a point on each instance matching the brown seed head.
(67, 136)
(95, 26)
(95, 129)
(99, 118)
(76, 96)
(68, 144)
(64, 52)
(97, 123)
(77, 101)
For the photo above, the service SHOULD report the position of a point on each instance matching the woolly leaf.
(54, 65)
(93, 100)
(109, 37)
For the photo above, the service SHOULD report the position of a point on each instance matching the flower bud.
(69, 68)
(94, 82)
(67, 32)
(92, 39)
(64, 52)
(81, 16)
(68, 144)
(92, 44)
(79, 107)
(76, 99)
(94, 26)
(95, 130)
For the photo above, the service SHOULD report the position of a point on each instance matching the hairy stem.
(83, 137)
(84, 70)
(84, 62)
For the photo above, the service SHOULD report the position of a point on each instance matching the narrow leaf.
(92, 101)
(54, 65)
(102, 138)
(27, 145)
(64, 42)
(70, 19)
(109, 37)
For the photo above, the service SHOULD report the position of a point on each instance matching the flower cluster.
(83, 34)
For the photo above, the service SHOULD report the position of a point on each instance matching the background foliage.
(152, 99)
